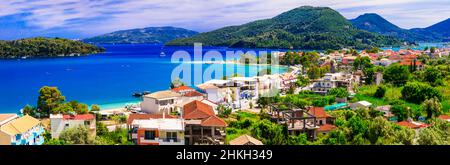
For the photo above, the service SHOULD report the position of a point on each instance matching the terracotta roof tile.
(79, 117)
(318, 112)
(193, 94)
(182, 88)
(411, 124)
(214, 121)
(444, 117)
(244, 139)
(197, 110)
(326, 127)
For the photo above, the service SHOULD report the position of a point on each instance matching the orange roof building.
(202, 125)
(412, 124)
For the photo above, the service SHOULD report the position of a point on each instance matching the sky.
(77, 19)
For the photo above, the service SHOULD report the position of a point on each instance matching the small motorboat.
(162, 54)
(140, 94)
(137, 94)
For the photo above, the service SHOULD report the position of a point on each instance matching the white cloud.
(92, 17)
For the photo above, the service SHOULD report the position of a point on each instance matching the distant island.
(372, 22)
(45, 47)
(150, 35)
(305, 27)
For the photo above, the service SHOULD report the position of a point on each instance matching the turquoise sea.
(108, 79)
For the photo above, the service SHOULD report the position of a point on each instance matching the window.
(171, 136)
(67, 124)
(87, 123)
(150, 135)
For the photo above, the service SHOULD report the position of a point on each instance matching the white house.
(268, 84)
(60, 122)
(332, 80)
(248, 91)
(158, 131)
(360, 105)
(188, 94)
(160, 102)
(220, 91)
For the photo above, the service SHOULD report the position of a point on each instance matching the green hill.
(301, 28)
(45, 47)
(151, 35)
(375, 23)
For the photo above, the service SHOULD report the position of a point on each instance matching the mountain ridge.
(304, 27)
(148, 35)
(375, 23)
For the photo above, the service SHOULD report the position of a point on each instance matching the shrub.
(416, 92)
(381, 91)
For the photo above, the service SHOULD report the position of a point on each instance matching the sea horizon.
(107, 79)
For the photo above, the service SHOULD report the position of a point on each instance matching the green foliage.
(151, 35)
(381, 91)
(116, 137)
(405, 136)
(29, 110)
(374, 50)
(223, 111)
(301, 139)
(302, 81)
(433, 76)
(119, 118)
(301, 28)
(417, 92)
(45, 47)
(95, 108)
(396, 74)
(432, 107)
(361, 63)
(101, 129)
(269, 133)
(401, 111)
(176, 83)
(63, 108)
(323, 101)
(316, 72)
(76, 135)
(49, 98)
(339, 92)
(296, 100)
(55, 142)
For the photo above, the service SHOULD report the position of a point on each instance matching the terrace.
(296, 119)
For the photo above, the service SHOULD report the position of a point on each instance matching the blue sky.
(86, 18)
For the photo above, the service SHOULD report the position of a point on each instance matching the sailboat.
(162, 54)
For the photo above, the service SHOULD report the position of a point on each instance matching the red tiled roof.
(410, 124)
(326, 127)
(410, 56)
(444, 117)
(79, 117)
(409, 62)
(214, 121)
(318, 112)
(182, 88)
(133, 117)
(197, 110)
(193, 94)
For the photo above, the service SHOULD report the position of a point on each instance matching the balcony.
(164, 141)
